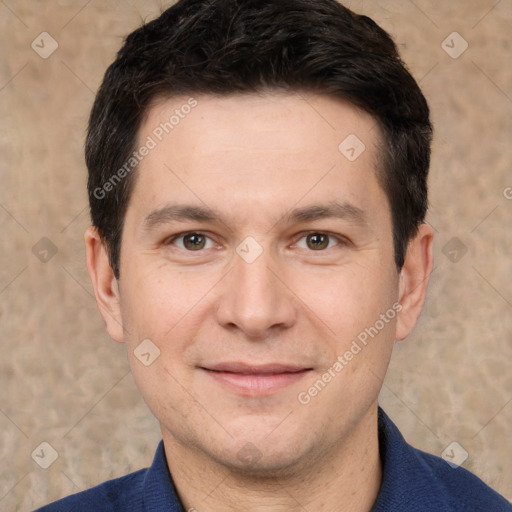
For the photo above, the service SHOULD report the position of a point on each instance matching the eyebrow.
(345, 211)
(183, 212)
(179, 212)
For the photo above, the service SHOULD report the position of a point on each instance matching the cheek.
(348, 299)
(157, 298)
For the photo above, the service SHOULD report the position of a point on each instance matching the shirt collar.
(405, 477)
(407, 482)
(159, 491)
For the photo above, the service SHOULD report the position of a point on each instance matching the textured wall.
(65, 383)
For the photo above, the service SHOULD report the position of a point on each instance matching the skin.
(254, 159)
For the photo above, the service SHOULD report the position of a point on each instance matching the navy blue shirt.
(412, 481)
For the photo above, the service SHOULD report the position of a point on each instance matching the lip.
(255, 380)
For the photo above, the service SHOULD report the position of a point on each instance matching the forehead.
(257, 150)
(293, 122)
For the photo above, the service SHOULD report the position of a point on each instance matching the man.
(257, 182)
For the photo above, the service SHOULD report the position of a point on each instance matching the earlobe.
(414, 277)
(105, 284)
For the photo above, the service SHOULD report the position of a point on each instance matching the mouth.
(255, 380)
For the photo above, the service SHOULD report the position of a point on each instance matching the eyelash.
(171, 240)
(341, 241)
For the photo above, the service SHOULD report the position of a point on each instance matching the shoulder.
(416, 480)
(146, 489)
(460, 488)
(124, 493)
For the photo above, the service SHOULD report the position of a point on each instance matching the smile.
(262, 380)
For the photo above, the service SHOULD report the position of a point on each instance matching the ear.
(414, 277)
(105, 284)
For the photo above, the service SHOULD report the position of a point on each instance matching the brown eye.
(194, 241)
(317, 241)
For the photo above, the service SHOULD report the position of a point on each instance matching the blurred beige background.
(64, 382)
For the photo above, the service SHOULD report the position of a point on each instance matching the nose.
(255, 300)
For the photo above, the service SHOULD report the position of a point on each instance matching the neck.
(345, 477)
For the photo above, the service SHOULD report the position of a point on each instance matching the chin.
(264, 465)
(273, 457)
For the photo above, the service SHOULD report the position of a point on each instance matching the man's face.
(254, 253)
